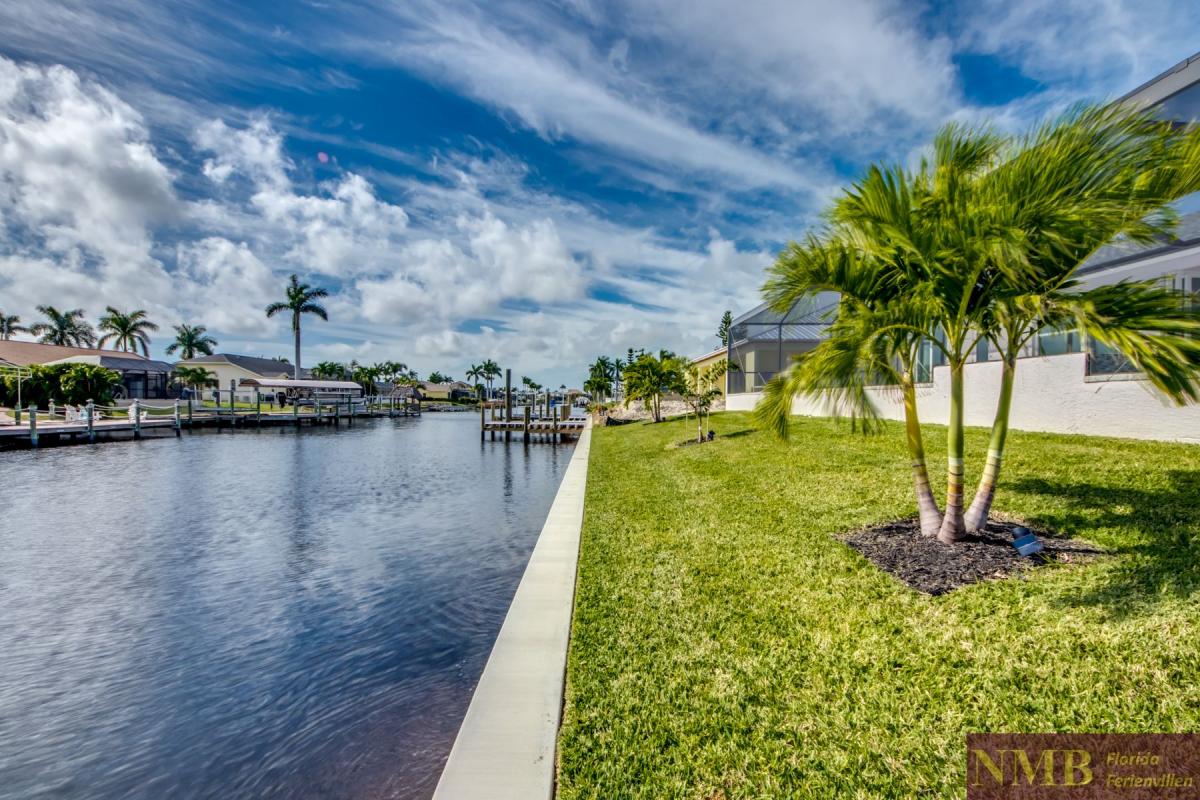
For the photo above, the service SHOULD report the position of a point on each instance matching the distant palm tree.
(191, 339)
(10, 324)
(64, 328)
(300, 297)
(127, 332)
(491, 371)
(196, 378)
(329, 370)
(476, 375)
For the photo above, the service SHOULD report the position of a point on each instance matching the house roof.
(445, 387)
(711, 354)
(266, 367)
(282, 383)
(25, 353)
(1187, 235)
(121, 363)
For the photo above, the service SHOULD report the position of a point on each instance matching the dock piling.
(91, 416)
(33, 433)
(136, 410)
(178, 432)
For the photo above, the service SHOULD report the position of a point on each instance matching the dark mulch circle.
(929, 566)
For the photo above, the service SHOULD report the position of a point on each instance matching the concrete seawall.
(506, 745)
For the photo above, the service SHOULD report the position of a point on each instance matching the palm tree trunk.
(296, 331)
(952, 523)
(927, 508)
(981, 506)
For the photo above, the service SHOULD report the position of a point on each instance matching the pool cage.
(763, 342)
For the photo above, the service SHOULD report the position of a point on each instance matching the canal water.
(258, 614)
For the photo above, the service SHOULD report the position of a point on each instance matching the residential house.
(142, 378)
(229, 370)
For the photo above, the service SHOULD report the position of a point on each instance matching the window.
(1057, 343)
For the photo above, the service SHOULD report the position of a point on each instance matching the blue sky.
(537, 183)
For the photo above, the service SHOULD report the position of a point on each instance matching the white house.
(230, 370)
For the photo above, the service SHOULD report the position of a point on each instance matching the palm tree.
(604, 369)
(1094, 175)
(63, 328)
(196, 378)
(492, 371)
(648, 378)
(10, 324)
(190, 340)
(982, 243)
(127, 331)
(476, 374)
(300, 300)
(329, 370)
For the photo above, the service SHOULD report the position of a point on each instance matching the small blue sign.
(1025, 542)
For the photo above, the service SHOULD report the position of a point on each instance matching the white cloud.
(76, 166)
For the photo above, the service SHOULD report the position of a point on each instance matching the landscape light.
(1026, 543)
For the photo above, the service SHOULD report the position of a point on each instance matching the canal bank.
(506, 745)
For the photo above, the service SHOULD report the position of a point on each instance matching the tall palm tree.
(190, 340)
(300, 300)
(476, 374)
(10, 324)
(492, 371)
(127, 331)
(63, 328)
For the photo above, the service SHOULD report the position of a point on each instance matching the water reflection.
(257, 614)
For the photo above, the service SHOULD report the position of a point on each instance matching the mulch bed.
(929, 566)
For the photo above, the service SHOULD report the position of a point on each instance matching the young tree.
(301, 299)
(701, 387)
(195, 378)
(127, 331)
(190, 340)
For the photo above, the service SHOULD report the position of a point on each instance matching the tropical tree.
(301, 299)
(649, 377)
(476, 374)
(604, 370)
(596, 387)
(127, 331)
(492, 371)
(981, 243)
(63, 328)
(701, 388)
(190, 340)
(329, 371)
(438, 377)
(723, 328)
(195, 378)
(1075, 185)
(10, 324)
(365, 376)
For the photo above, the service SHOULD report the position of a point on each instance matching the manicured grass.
(726, 646)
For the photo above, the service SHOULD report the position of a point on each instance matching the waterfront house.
(141, 378)
(230, 370)
(455, 390)
(1065, 382)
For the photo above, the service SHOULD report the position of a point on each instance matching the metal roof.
(262, 366)
(281, 383)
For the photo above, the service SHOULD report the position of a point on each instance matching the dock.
(536, 422)
(102, 423)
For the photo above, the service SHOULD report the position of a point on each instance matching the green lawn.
(726, 646)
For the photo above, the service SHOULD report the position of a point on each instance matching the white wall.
(1051, 394)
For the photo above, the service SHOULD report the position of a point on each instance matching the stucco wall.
(1051, 394)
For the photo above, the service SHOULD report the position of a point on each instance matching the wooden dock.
(542, 422)
(48, 427)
